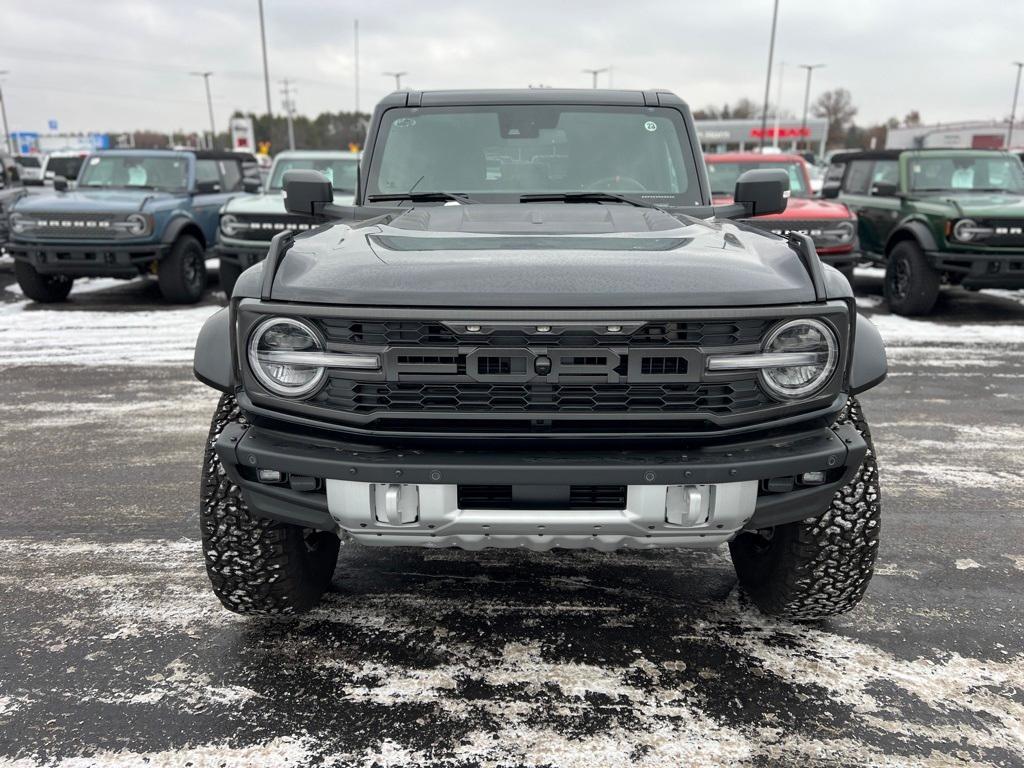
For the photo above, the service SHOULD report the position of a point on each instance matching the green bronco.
(930, 217)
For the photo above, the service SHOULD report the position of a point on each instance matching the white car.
(30, 168)
(65, 163)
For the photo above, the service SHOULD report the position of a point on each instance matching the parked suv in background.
(829, 224)
(134, 212)
(64, 164)
(934, 217)
(535, 330)
(248, 223)
(30, 169)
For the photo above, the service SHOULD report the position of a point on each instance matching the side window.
(886, 172)
(207, 173)
(858, 178)
(232, 176)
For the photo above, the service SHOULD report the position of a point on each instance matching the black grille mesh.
(366, 397)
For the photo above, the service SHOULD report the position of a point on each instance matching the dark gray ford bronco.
(533, 329)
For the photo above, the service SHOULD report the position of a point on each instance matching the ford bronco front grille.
(263, 228)
(741, 396)
(540, 372)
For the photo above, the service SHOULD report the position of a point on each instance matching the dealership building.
(966, 135)
(745, 135)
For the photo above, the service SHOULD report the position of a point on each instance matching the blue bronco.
(134, 212)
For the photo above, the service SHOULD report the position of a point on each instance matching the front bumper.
(331, 485)
(106, 259)
(242, 254)
(981, 269)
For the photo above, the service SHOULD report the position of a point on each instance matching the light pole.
(3, 110)
(807, 98)
(596, 72)
(1013, 110)
(209, 105)
(356, 58)
(266, 69)
(768, 75)
(398, 78)
(289, 110)
(778, 104)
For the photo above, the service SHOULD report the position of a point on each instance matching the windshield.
(980, 173)
(141, 171)
(341, 172)
(68, 167)
(497, 153)
(27, 161)
(723, 175)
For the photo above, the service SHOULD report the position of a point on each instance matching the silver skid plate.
(428, 515)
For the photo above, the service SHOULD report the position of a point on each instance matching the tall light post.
(3, 110)
(1013, 110)
(398, 78)
(768, 75)
(266, 69)
(778, 104)
(209, 105)
(595, 72)
(807, 98)
(356, 59)
(289, 111)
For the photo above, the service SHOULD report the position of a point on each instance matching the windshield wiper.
(585, 197)
(421, 197)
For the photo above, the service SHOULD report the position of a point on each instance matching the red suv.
(831, 225)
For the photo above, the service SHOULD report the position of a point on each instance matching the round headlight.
(807, 337)
(18, 222)
(844, 231)
(229, 225)
(968, 230)
(271, 345)
(137, 224)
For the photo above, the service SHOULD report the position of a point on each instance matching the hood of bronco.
(542, 255)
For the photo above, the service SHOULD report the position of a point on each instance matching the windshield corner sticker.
(94, 161)
(650, 125)
(405, 122)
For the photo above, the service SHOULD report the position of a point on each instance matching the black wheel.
(45, 289)
(257, 566)
(848, 274)
(911, 285)
(819, 567)
(182, 272)
(229, 272)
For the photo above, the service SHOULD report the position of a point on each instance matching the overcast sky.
(122, 64)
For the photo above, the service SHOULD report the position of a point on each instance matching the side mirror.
(884, 189)
(830, 191)
(60, 184)
(306, 192)
(207, 187)
(251, 185)
(762, 191)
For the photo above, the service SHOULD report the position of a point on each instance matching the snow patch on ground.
(966, 563)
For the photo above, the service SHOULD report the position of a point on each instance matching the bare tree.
(836, 106)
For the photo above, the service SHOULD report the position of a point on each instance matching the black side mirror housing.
(60, 184)
(251, 185)
(762, 191)
(207, 187)
(306, 192)
(830, 191)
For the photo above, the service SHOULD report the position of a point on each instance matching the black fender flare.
(178, 225)
(213, 363)
(916, 229)
(868, 367)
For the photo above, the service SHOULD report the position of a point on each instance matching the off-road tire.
(182, 272)
(228, 275)
(257, 566)
(911, 285)
(46, 289)
(818, 567)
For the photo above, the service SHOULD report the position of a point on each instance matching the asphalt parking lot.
(113, 651)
